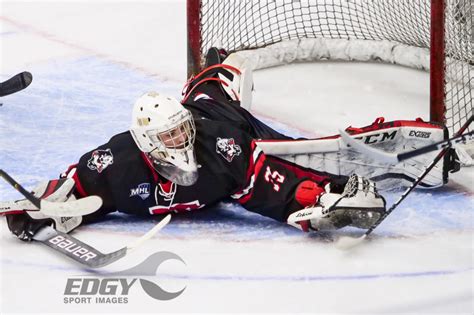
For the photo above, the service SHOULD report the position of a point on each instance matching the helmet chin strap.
(186, 157)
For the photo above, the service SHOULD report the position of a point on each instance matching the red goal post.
(433, 35)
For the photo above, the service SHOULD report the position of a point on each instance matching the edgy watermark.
(114, 288)
(99, 291)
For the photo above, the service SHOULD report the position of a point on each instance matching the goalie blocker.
(25, 224)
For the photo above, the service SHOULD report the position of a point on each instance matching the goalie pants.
(277, 188)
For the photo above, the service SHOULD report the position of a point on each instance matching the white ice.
(91, 59)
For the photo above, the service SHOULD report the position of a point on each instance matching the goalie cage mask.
(164, 130)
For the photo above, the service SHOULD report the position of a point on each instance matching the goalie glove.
(359, 205)
(26, 224)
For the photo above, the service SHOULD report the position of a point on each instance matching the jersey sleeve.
(208, 100)
(117, 173)
(91, 178)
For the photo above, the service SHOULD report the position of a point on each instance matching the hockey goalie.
(181, 156)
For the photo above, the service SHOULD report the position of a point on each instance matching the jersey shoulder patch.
(228, 148)
(100, 160)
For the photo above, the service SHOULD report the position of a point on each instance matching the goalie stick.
(346, 242)
(71, 208)
(16, 83)
(394, 158)
(86, 254)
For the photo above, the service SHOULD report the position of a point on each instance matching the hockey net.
(433, 35)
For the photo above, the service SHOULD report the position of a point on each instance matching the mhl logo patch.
(142, 190)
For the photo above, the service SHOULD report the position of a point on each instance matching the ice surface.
(90, 60)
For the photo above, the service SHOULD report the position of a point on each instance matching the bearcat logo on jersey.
(142, 190)
(100, 159)
(227, 148)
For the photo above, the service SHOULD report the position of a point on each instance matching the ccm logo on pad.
(378, 137)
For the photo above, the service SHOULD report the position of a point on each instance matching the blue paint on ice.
(315, 278)
(73, 105)
(247, 278)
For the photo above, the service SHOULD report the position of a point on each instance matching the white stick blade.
(150, 233)
(379, 155)
(346, 242)
(71, 208)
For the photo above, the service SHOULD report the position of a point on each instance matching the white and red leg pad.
(331, 155)
(239, 87)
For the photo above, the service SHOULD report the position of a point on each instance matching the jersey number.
(274, 178)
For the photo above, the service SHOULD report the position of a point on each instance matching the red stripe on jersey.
(301, 172)
(252, 160)
(166, 187)
(69, 169)
(149, 163)
(160, 211)
(199, 83)
(12, 212)
(249, 178)
(79, 188)
(253, 171)
(177, 207)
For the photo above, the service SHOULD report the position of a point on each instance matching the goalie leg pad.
(231, 80)
(359, 205)
(331, 154)
(239, 86)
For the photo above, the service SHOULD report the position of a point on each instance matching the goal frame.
(437, 53)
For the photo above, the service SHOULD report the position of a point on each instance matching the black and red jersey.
(125, 179)
(230, 165)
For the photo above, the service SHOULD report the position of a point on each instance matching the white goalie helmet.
(164, 130)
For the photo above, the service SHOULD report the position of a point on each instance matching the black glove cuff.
(24, 226)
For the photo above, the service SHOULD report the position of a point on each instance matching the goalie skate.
(338, 218)
(359, 206)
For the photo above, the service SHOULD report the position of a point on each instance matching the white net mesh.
(397, 26)
(459, 40)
